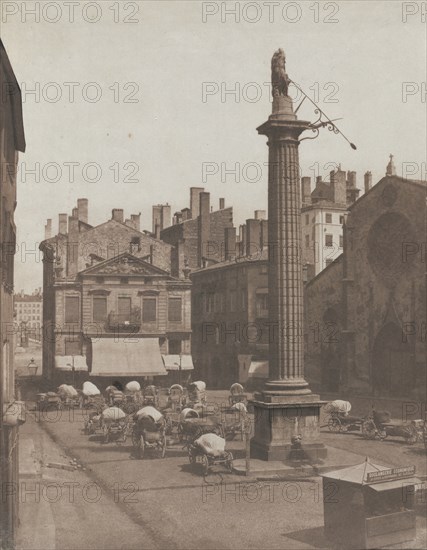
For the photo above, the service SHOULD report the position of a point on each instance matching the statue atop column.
(279, 78)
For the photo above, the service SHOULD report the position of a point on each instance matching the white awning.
(132, 357)
(258, 369)
(172, 362)
(65, 363)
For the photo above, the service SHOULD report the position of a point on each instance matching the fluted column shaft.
(285, 267)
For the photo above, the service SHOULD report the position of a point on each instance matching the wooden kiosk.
(369, 506)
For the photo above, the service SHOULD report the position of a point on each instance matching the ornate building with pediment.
(365, 314)
(112, 308)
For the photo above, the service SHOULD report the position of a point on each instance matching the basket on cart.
(149, 431)
(114, 396)
(90, 395)
(197, 392)
(339, 419)
(191, 426)
(209, 450)
(236, 421)
(69, 396)
(151, 396)
(115, 424)
(237, 394)
(176, 397)
(49, 400)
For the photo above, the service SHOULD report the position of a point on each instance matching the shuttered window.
(71, 309)
(149, 310)
(99, 308)
(175, 309)
(124, 306)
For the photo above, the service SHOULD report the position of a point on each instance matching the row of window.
(125, 311)
(232, 301)
(329, 241)
(328, 218)
(30, 317)
(220, 302)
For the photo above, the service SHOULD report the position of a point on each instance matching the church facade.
(365, 314)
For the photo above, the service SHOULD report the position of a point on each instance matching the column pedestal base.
(279, 418)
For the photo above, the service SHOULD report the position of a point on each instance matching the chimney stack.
(186, 214)
(230, 243)
(161, 216)
(339, 186)
(136, 221)
(253, 237)
(204, 224)
(242, 236)
(260, 214)
(306, 190)
(368, 181)
(221, 204)
(264, 234)
(195, 201)
(117, 215)
(48, 229)
(83, 209)
(62, 224)
(351, 177)
(75, 213)
(72, 246)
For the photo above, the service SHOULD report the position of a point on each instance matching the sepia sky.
(151, 115)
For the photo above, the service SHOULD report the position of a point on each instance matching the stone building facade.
(28, 312)
(365, 318)
(111, 305)
(322, 217)
(197, 233)
(230, 321)
(12, 141)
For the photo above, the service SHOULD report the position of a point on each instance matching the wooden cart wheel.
(205, 464)
(124, 434)
(106, 433)
(141, 447)
(412, 437)
(368, 429)
(168, 426)
(230, 462)
(382, 434)
(191, 457)
(180, 433)
(135, 439)
(334, 425)
(162, 447)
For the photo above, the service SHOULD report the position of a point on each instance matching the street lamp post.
(179, 365)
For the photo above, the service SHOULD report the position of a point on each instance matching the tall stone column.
(286, 407)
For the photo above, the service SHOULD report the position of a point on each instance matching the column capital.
(277, 129)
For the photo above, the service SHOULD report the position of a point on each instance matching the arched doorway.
(392, 362)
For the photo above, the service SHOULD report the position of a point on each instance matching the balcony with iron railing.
(124, 321)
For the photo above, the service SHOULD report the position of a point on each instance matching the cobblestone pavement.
(122, 502)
